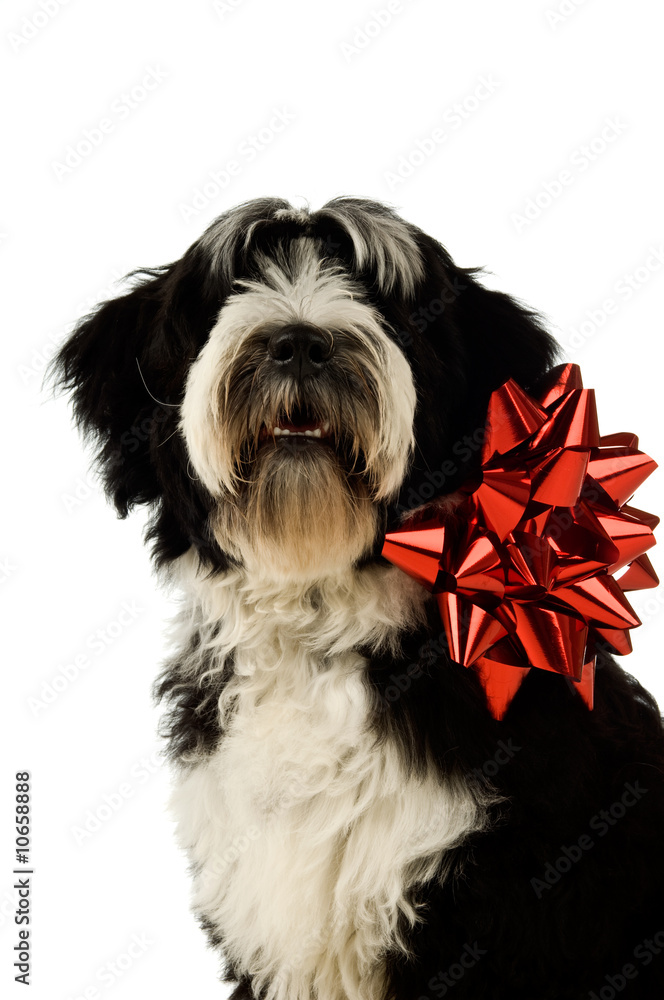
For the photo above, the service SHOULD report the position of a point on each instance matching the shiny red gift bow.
(523, 576)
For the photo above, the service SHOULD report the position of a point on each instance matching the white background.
(360, 104)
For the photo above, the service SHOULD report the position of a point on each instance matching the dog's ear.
(463, 341)
(99, 366)
(496, 337)
(501, 338)
(125, 366)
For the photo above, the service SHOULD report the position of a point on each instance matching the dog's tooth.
(326, 426)
(279, 431)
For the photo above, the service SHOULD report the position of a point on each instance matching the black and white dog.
(303, 379)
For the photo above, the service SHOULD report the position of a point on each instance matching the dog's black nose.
(301, 349)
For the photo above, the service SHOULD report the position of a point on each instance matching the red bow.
(528, 581)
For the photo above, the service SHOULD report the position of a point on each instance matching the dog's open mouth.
(298, 425)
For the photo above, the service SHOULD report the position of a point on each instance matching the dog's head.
(294, 384)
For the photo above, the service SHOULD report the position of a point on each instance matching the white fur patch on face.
(308, 836)
(300, 288)
(383, 242)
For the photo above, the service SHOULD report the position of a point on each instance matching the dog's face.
(298, 415)
(294, 383)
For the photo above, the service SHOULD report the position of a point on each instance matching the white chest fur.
(308, 836)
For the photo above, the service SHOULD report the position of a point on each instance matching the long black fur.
(126, 366)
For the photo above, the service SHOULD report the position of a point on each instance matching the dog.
(305, 382)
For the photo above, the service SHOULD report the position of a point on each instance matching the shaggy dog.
(359, 825)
